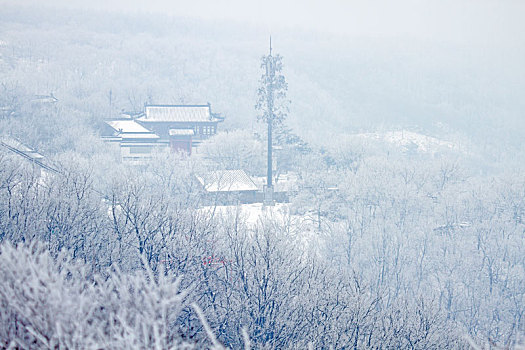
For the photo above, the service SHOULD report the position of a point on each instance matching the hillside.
(389, 215)
(98, 64)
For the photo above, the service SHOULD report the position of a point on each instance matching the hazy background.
(401, 170)
(451, 69)
(481, 21)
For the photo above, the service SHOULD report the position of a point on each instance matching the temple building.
(163, 118)
(177, 127)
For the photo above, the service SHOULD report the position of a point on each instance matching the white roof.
(227, 181)
(18, 147)
(127, 126)
(177, 113)
(182, 132)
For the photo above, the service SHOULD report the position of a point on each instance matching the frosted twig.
(207, 328)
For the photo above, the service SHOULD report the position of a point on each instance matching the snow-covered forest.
(399, 215)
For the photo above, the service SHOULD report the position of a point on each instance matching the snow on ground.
(301, 227)
(420, 142)
(251, 213)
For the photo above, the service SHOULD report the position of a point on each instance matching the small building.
(178, 128)
(136, 142)
(35, 159)
(44, 99)
(228, 187)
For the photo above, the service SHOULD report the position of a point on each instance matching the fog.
(483, 21)
(167, 181)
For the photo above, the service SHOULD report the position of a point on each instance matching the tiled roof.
(18, 147)
(177, 113)
(227, 181)
(24, 151)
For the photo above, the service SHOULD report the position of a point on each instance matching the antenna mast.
(270, 74)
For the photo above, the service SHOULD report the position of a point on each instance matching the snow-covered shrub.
(53, 303)
(139, 310)
(44, 302)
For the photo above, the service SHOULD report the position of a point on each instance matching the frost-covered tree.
(238, 149)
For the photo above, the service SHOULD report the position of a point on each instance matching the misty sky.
(478, 21)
